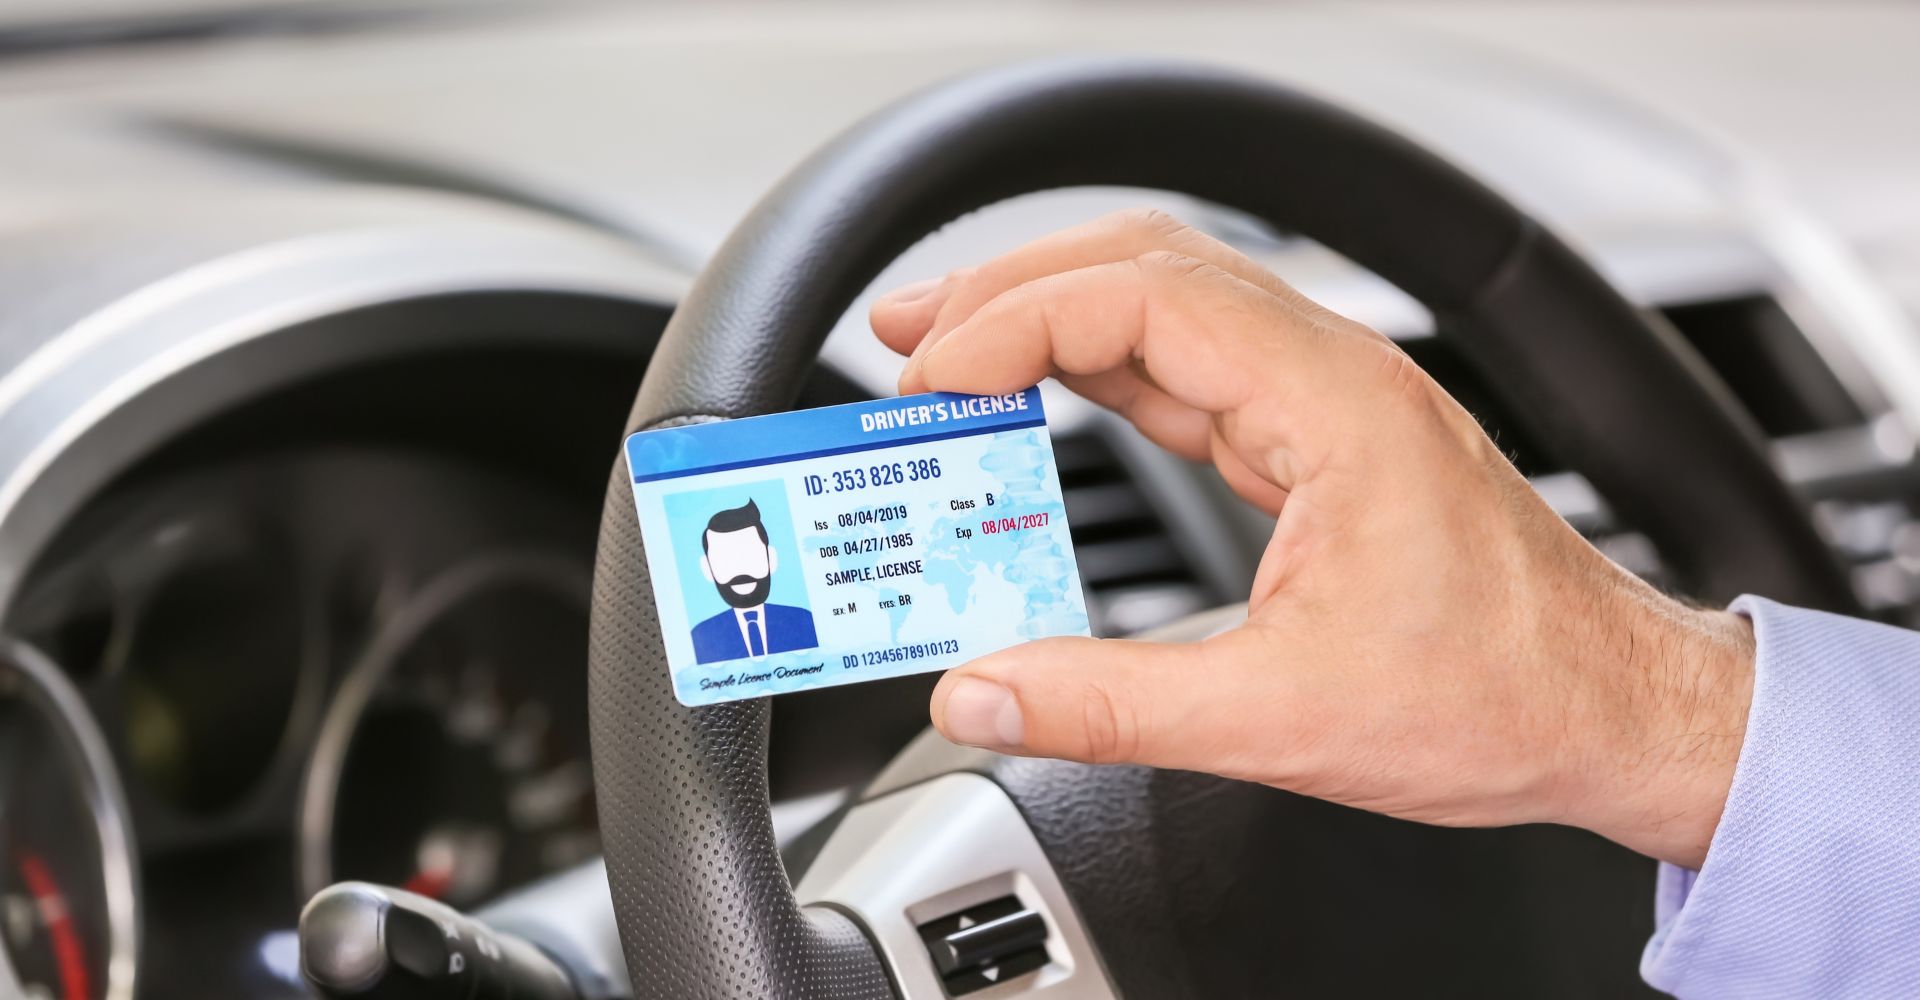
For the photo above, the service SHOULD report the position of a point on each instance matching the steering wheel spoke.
(957, 893)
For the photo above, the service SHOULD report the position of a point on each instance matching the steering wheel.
(1154, 884)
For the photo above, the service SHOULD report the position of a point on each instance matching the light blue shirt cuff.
(1811, 886)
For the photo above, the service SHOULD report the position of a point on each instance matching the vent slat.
(1107, 506)
(1135, 576)
(1107, 564)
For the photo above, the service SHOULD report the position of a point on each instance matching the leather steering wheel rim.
(705, 908)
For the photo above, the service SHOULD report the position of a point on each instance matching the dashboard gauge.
(217, 657)
(68, 913)
(454, 761)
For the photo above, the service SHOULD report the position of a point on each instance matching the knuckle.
(1112, 728)
(1170, 264)
(961, 277)
(1152, 221)
(1399, 375)
(960, 284)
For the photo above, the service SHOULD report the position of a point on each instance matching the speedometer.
(454, 761)
(68, 918)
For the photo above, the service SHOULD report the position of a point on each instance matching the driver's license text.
(850, 543)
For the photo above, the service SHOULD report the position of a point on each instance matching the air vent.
(1748, 340)
(1135, 574)
(1768, 362)
(1861, 474)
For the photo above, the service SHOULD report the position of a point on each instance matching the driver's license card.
(851, 543)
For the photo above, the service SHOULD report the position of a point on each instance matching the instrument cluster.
(239, 683)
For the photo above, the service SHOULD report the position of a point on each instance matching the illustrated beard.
(751, 599)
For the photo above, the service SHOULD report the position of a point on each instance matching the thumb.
(1101, 701)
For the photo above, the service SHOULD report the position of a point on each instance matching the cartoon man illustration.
(740, 563)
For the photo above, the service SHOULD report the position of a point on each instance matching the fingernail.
(981, 713)
(910, 374)
(911, 293)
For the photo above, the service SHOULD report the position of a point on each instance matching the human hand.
(1425, 637)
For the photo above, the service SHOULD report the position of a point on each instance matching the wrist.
(1669, 736)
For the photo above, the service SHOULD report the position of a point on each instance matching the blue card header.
(830, 430)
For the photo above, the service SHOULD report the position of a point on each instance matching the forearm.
(1652, 770)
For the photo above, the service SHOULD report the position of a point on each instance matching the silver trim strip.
(108, 365)
(931, 849)
(48, 686)
(1830, 288)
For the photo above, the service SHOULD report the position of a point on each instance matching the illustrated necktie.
(755, 644)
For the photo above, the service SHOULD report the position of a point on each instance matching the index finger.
(911, 324)
(1206, 338)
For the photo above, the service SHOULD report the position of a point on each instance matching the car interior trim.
(48, 685)
(52, 450)
(930, 849)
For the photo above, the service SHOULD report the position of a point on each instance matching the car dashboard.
(317, 348)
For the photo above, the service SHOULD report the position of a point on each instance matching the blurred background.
(318, 322)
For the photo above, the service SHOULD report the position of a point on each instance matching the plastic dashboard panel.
(164, 329)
